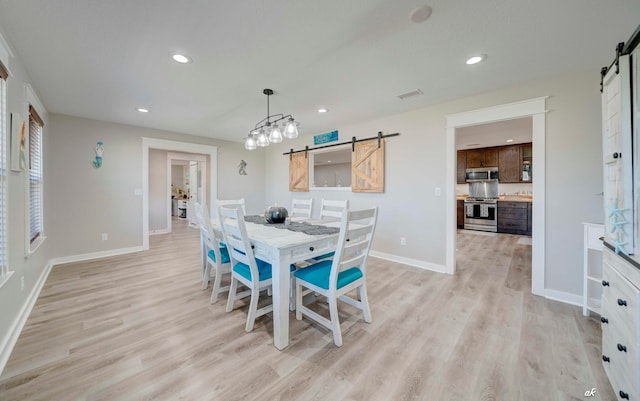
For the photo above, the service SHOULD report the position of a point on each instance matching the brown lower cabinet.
(460, 208)
(514, 217)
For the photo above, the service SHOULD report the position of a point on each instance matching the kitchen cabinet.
(462, 166)
(509, 163)
(484, 157)
(460, 209)
(513, 217)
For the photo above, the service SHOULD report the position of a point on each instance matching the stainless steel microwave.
(481, 174)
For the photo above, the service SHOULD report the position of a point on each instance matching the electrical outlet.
(22, 283)
(403, 241)
(105, 236)
(438, 191)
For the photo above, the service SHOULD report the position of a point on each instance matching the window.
(331, 168)
(35, 179)
(4, 265)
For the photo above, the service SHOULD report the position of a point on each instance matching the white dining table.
(282, 247)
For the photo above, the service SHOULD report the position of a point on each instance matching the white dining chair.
(218, 259)
(253, 273)
(227, 202)
(301, 208)
(346, 272)
(332, 209)
(204, 249)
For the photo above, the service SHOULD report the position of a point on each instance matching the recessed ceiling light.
(509, 140)
(473, 144)
(181, 58)
(476, 59)
(322, 110)
(328, 161)
(420, 14)
(142, 110)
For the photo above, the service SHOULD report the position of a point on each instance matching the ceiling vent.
(407, 95)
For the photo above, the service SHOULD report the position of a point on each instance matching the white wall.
(331, 174)
(415, 167)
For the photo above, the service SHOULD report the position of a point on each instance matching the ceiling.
(495, 134)
(103, 59)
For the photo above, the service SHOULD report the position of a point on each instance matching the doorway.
(211, 152)
(535, 109)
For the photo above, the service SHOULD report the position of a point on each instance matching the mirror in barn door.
(617, 158)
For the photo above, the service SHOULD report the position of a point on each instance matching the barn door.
(299, 172)
(367, 166)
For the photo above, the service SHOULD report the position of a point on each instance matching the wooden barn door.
(299, 172)
(367, 166)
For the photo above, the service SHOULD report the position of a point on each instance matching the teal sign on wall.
(324, 138)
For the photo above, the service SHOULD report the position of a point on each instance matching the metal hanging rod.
(352, 142)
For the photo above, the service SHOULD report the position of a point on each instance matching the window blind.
(35, 174)
(4, 265)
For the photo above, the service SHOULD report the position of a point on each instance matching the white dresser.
(620, 319)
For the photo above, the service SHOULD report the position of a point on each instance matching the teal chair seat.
(264, 269)
(318, 274)
(224, 255)
(325, 256)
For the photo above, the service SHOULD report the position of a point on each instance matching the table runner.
(306, 228)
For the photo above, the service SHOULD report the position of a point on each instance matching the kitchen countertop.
(508, 198)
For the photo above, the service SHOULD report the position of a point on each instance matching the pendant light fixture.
(268, 130)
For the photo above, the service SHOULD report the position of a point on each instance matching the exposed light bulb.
(275, 136)
(262, 140)
(250, 143)
(291, 131)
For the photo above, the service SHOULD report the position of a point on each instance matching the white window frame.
(30, 247)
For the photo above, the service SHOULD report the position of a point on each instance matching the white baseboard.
(7, 344)
(16, 328)
(161, 231)
(96, 255)
(408, 261)
(567, 298)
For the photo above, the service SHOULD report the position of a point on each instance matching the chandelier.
(268, 130)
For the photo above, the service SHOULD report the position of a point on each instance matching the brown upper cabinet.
(509, 163)
(514, 162)
(462, 166)
(485, 157)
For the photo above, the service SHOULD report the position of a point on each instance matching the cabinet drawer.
(623, 359)
(620, 299)
(512, 205)
(512, 214)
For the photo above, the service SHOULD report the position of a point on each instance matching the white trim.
(164, 144)
(5, 53)
(161, 231)
(5, 279)
(33, 246)
(565, 297)
(9, 341)
(408, 261)
(96, 255)
(534, 108)
(31, 98)
(329, 188)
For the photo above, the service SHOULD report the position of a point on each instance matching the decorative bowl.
(276, 214)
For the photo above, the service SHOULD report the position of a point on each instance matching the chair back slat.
(301, 208)
(332, 208)
(231, 202)
(356, 234)
(207, 231)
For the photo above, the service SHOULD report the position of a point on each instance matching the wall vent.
(413, 93)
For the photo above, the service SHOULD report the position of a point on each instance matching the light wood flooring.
(138, 327)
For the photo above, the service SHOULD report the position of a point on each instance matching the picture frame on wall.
(18, 143)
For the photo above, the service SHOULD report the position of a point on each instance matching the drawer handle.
(622, 348)
(605, 283)
(617, 155)
(624, 395)
(606, 358)
(311, 248)
(622, 302)
(604, 320)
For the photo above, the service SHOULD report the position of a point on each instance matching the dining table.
(282, 245)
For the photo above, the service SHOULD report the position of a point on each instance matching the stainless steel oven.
(481, 214)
